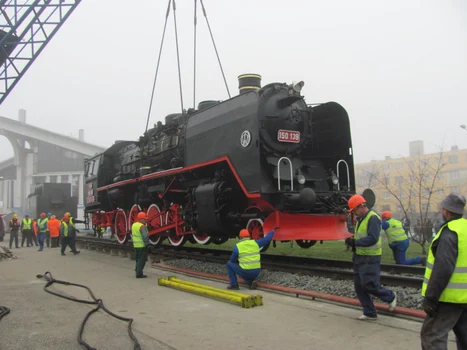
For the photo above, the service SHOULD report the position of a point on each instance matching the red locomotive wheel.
(154, 222)
(121, 226)
(176, 241)
(255, 227)
(135, 209)
(202, 238)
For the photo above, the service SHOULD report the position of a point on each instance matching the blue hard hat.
(48, 214)
(27, 214)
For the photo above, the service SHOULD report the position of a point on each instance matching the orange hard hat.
(386, 215)
(141, 215)
(66, 216)
(42, 215)
(355, 201)
(244, 233)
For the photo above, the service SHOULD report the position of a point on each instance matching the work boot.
(236, 287)
(393, 304)
(253, 285)
(368, 318)
(141, 276)
(77, 252)
(63, 254)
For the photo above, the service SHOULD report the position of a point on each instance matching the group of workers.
(445, 283)
(45, 230)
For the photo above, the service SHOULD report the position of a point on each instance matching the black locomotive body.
(261, 159)
(55, 198)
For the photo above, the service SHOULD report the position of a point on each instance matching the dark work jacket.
(445, 251)
(14, 225)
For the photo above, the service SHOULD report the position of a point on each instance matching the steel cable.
(100, 305)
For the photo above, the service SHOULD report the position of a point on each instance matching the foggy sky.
(399, 68)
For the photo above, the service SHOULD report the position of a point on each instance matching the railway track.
(395, 275)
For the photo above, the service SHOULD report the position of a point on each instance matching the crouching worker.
(245, 260)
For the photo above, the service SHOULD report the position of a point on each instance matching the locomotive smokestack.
(249, 82)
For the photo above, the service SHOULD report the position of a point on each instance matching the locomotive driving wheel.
(135, 209)
(154, 222)
(121, 226)
(255, 227)
(174, 239)
(202, 238)
(303, 243)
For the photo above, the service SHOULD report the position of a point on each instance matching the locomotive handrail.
(279, 173)
(348, 174)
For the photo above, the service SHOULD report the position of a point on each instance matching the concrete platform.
(169, 319)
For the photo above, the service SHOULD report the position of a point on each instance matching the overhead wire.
(215, 47)
(194, 54)
(100, 305)
(178, 56)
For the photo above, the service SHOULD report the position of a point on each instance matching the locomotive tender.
(261, 159)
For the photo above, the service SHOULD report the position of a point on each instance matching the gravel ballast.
(406, 297)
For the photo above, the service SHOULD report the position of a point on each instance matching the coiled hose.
(4, 311)
(100, 304)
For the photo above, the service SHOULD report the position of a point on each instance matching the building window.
(455, 189)
(455, 174)
(386, 195)
(53, 179)
(75, 186)
(65, 179)
(453, 159)
(38, 180)
(386, 207)
(411, 164)
(411, 178)
(426, 207)
(399, 166)
(399, 180)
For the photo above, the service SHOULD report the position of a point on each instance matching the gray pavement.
(169, 319)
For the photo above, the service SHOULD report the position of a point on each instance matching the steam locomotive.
(261, 159)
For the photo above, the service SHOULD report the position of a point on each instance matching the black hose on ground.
(4, 311)
(100, 304)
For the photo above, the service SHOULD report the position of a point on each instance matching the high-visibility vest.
(54, 227)
(395, 232)
(137, 237)
(456, 290)
(42, 224)
(27, 224)
(65, 229)
(361, 231)
(249, 255)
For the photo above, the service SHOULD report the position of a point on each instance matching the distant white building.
(40, 156)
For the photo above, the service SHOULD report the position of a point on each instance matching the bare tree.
(414, 190)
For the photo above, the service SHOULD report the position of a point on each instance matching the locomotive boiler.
(261, 159)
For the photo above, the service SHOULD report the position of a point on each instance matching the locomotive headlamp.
(301, 179)
(297, 87)
(334, 179)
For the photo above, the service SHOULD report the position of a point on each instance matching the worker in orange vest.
(34, 232)
(54, 229)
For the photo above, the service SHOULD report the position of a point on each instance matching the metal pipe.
(348, 174)
(279, 173)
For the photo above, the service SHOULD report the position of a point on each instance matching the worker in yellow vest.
(140, 239)
(245, 260)
(398, 240)
(26, 230)
(366, 245)
(445, 283)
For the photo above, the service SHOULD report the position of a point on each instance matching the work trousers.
(141, 255)
(68, 241)
(26, 236)
(47, 238)
(366, 282)
(399, 251)
(54, 242)
(248, 275)
(34, 238)
(41, 240)
(14, 235)
(434, 334)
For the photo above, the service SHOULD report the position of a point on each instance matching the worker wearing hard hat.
(140, 239)
(26, 230)
(398, 240)
(14, 229)
(366, 245)
(68, 233)
(42, 228)
(245, 260)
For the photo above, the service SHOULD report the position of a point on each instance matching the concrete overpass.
(40, 155)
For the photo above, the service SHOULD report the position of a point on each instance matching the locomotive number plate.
(288, 136)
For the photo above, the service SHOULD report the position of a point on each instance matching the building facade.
(415, 184)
